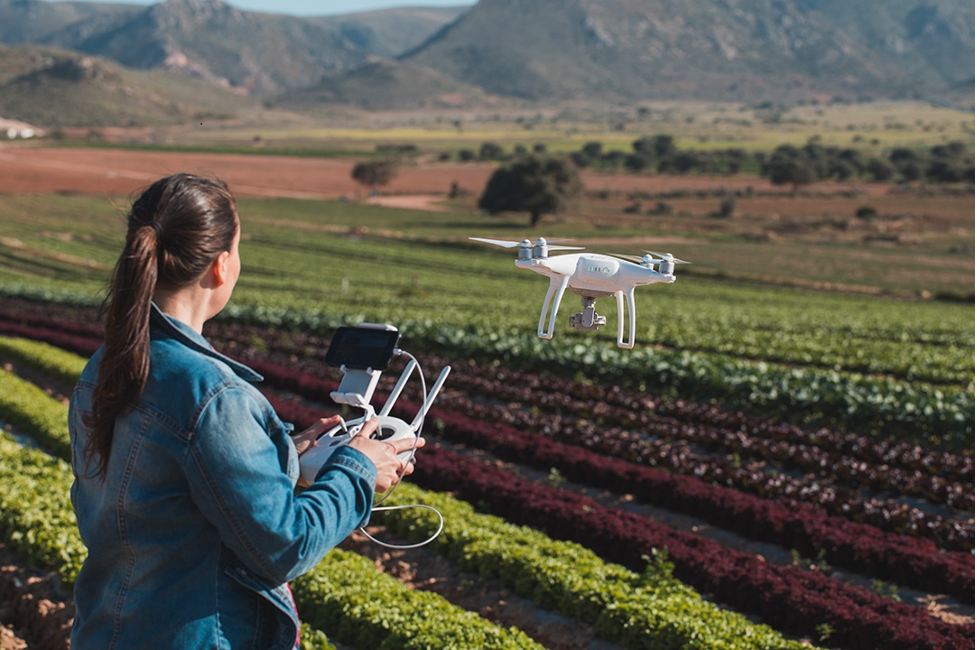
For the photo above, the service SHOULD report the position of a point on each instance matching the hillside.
(733, 49)
(34, 21)
(260, 53)
(52, 87)
(381, 84)
(391, 32)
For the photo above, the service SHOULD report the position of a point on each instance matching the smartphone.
(359, 348)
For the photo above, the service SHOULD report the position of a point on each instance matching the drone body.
(590, 276)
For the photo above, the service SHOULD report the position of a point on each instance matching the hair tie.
(158, 228)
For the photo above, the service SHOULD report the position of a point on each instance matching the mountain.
(536, 50)
(707, 49)
(924, 38)
(381, 84)
(50, 87)
(389, 33)
(33, 21)
(260, 53)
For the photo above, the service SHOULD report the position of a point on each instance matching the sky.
(320, 7)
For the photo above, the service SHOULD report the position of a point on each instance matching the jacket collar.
(195, 341)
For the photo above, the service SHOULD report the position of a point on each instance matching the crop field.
(699, 125)
(785, 460)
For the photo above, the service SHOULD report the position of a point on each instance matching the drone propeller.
(512, 244)
(668, 257)
(498, 242)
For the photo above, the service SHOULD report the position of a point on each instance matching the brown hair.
(174, 231)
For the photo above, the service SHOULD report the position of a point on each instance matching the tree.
(490, 151)
(790, 165)
(658, 146)
(593, 149)
(374, 173)
(537, 184)
(879, 169)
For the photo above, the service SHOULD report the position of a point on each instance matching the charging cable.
(378, 507)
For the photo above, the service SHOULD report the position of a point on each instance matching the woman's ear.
(219, 269)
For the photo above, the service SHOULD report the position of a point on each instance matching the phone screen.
(360, 348)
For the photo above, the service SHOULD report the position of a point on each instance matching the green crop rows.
(650, 610)
(941, 416)
(356, 262)
(28, 407)
(345, 593)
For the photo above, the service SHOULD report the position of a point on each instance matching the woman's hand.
(305, 439)
(390, 468)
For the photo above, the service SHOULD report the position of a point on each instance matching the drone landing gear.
(588, 320)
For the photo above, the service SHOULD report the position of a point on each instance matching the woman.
(184, 475)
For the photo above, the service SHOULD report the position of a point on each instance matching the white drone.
(590, 276)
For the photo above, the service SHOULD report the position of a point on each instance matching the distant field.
(372, 262)
(917, 244)
(870, 127)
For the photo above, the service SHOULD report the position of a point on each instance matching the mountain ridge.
(543, 51)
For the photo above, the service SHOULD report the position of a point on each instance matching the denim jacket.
(197, 529)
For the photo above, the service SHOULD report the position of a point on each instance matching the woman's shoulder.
(175, 366)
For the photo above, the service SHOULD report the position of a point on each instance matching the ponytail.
(176, 229)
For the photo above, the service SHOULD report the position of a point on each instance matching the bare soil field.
(117, 172)
(34, 613)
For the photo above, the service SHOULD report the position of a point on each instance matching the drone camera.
(587, 320)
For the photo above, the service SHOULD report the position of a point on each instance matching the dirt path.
(114, 172)
(119, 173)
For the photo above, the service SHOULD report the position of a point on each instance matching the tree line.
(540, 183)
(786, 165)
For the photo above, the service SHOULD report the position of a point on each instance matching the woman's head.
(176, 231)
(187, 221)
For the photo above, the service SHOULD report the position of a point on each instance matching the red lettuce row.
(898, 558)
(669, 450)
(792, 600)
(829, 463)
(81, 344)
(905, 560)
(558, 391)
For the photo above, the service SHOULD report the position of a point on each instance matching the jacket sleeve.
(236, 479)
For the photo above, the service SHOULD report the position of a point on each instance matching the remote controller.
(362, 353)
(389, 429)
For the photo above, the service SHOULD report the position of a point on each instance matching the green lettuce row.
(648, 611)
(29, 408)
(45, 358)
(36, 519)
(368, 609)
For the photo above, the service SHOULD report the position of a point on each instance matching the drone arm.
(620, 319)
(558, 284)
